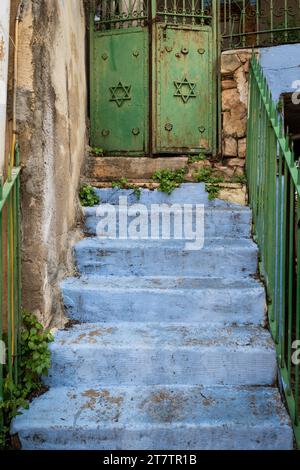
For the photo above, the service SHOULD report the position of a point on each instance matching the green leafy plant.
(206, 175)
(123, 183)
(213, 190)
(196, 158)
(97, 151)
(34, 363)
(13, 400)
(169, 179)
(35, 354)
(88, 196)
(240, 179)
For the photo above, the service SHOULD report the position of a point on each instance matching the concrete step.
(218, 258)
(155, 418)
(128, 353)
(172, 299)
(218, 221)
(187, 193)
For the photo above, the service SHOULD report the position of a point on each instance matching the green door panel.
(184, 102)
(119, 91)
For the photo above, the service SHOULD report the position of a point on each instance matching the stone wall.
(52, 103)
(234, 83)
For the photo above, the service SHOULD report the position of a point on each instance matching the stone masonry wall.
(234, 83)
(52, 103)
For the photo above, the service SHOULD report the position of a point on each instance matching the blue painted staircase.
(171, 350)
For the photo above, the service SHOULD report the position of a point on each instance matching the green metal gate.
(153, 76)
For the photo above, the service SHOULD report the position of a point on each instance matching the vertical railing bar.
(271, 21)
(174, 11)
(286, 20)
(297, 335)
(271, 198)
(290, 273)
(279, 260)
(165, 10)
(193, 12)
(9, 322)
(262, 186)
(18, 266)
(12, 278)
(202, 12)
(284, 267)
(183, 12)
(244, 23)
(15, 283)
(257, 22)
(230, 24)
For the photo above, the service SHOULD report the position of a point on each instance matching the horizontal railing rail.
(274, 196)
(10, 279)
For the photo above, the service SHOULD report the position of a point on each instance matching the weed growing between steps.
(96, 151)
(196, 158)
(88, 196)
(34, 363)
(206, 175)
(169, 179)
(212, 181)
(123, 183)
(240, 179)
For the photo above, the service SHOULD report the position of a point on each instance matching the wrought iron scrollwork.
(251, 23)
(119, 14)
(193, 12)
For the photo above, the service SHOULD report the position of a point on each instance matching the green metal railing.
(242, 23)
(274, 194)
(257, 23)
(10, 275)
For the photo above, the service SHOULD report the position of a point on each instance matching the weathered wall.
(4, 47)
(52, 125)
(281, 66)
(234, 75)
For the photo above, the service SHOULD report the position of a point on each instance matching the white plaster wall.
(52, 104)
(4, 45)
(281, 65)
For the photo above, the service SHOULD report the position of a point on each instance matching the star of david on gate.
(120, 93)
(185, 89)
